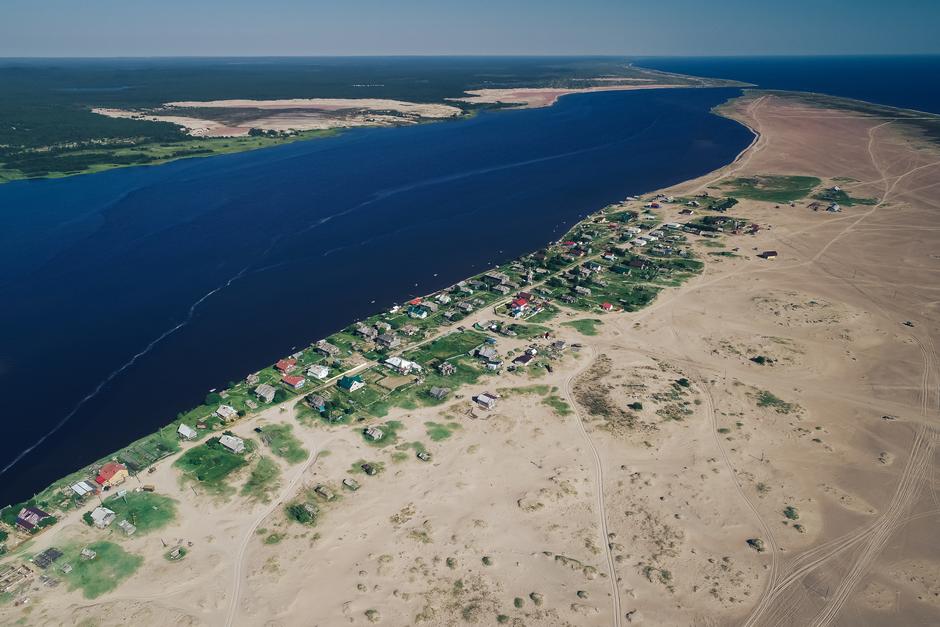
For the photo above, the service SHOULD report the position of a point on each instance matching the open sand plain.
(564, 506)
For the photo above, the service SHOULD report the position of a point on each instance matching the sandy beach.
(624, 486)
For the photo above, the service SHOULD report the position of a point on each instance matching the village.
(486, 329)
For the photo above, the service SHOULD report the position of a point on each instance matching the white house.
(318, 371)
(402, 366)
(232, 443)
(186, 432)
(101, 517)
(374, 434)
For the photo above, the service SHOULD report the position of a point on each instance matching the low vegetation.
(209, 466)
(104, 573)
(283, 443)
(767, 399)
(263, 480)
(586, 326)
(145, 510)
(772, 188)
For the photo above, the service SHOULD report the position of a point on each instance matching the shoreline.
(204, 147)
(574, 225)
(718, 491)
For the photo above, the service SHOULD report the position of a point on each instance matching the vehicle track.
(599, 493)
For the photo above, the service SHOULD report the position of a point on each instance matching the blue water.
(128, 294)
(910, 82)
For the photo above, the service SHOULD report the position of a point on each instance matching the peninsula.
(716, 401)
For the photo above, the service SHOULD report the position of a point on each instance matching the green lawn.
(283, 443)
(587, 326)
(772, 188)
(210, 465)
(439, 431)
(111, 566)
(265, 477)
(147, 511)
(842, 198)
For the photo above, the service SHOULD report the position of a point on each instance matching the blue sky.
(348, 27)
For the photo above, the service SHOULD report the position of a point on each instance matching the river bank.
(493, 188)
(658, 468)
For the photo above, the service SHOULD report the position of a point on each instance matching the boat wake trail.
(253, 269)
(97, 390)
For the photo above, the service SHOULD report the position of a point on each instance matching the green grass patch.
(586, 326)
(545, 315)
(772, 188)
(264, 479)
(558, 404)
(842, 198)
(390, 431)
(283, 443)
(210, 465)
(147, 511)
(766, 399)
(111, 566)
(439, 431)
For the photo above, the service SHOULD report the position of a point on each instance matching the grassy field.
(390, 431)
(209, 465)
(771, 188)
(283, 443)
(586, 326)
(111, 566)
(439, 431)
(264, 479)
(147, 511)
(842, 198)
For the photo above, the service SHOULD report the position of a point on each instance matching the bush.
(637, 406)
(683, 382)
(791, 513)
(213, 398)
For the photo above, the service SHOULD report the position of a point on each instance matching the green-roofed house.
(351, 384)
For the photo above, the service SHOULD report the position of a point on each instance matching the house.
(265, 392)
(351, 384)
(285, 365)
(581, 290)
(101, 517)
(368, 333)
(293, 381)
(487, 352)
(30, 518)
(502, 289)
(388, 340)
(84, 488)
(324, 492)
(252, 379)
(88, 554)
(768, 254)
(185, 432)
(374, 433)
(495, 278)
(318, 371)
(111, 474)
(369, 469)
(524, 359)
(486, 400)
(430, 306)
(317, 402)
(559, 345)
(439, 393)
(127, 528)
(423, 456)
(402, 366)
(234, 444)
(446, 369)
(351, 484)
(607, 307)
(226, 413)
(325, 348)
(637, 263)
(418, 313)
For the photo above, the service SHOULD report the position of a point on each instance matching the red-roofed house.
(293, 381)
(607, 307)
(286, 365)
(520, 303)
(111, 474)
(415, 301)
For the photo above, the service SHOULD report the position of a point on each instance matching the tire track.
(599, 494)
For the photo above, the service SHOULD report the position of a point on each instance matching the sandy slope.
(635, 516)
(534, 97)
